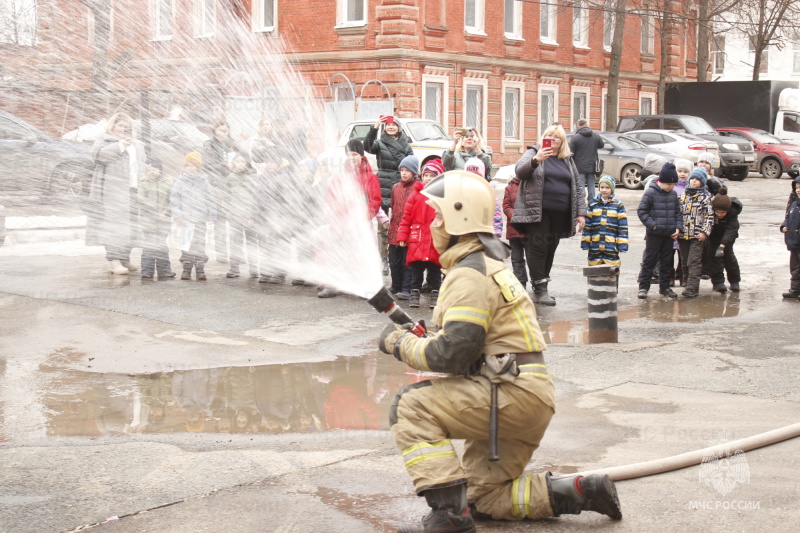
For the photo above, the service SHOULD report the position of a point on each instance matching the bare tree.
(18, 22)
(766, 23)
(707, 11)
(101, 14)
(612, 98)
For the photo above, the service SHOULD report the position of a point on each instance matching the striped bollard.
(602, 281)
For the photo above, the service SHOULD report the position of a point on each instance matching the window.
(11, 131)
(512, 111)
(162, 19)
(547, 21)
(434, 94)
(580, 24)
(608, 27)
(580, 105)
(473, 106)
(473, 16)
(648, 35)
(204, 18)
(718, 54)
(352, 12)
(791, 123)
(647, 104)
(264, 15)
(548, 113)
(18, 22)
(513, 19)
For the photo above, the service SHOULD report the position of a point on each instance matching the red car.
(773, 156)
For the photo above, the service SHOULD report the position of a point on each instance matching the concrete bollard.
(602, 281)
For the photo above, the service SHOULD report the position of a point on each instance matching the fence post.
(602, 280)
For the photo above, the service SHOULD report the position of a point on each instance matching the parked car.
(170, 140)
(33, 161)
(683, 145)
(735, 156)
(773, 156)
(427, 138)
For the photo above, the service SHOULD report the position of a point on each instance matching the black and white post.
(603, 280)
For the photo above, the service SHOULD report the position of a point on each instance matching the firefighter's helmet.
(465, 200)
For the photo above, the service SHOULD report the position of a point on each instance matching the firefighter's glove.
(720, 252)
(389, 338)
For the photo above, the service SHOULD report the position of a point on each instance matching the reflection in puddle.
(656, 308)
(348, 393)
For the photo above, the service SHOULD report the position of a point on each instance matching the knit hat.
(608, 180)
(194, 158)
(155, 163)
(700, 174)
(389, 119)
(706, 157)
(668, 174)
(434, 166)
(411, 162)
(475, 166)
(721, 201)
(653, 163)
(355, 145)
(684, 164)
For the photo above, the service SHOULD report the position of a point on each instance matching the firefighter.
(487, 337)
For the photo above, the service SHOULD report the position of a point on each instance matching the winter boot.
(115, 267)
(200, 269)
(449, 512)
(540, 294)
(187, 271)
(792, 294)
(413, 301)
(720, 287)
(233, 272)
(571, 495)
(127, 264)
(148, 266)
(434, 299)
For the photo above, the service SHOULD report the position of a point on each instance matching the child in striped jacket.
(605, 234)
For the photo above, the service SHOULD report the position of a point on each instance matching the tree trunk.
(662, 73)
(612, 100)
(703, 31)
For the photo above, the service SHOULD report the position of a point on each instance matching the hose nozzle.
(384, 302)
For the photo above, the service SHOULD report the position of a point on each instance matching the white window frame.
(550, 7)
(480, 18)
(608, 28)
(645, 96)
(587, 92)
(514, 140)
(580, 24)
(548, 88)
(516, 20)
(718, 57)
(445, 110)
(200, 12)
(155, 17)
(258, 16)
(484, 85)
(647, 35)
(341, 14)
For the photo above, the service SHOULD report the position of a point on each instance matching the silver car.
(683, 145)
(623, 158)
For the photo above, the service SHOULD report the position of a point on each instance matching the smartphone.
(470, 133)
(462, 131)
(547, 143)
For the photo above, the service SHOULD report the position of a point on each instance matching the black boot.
(434, 299)
(571, 495)
(540, 295)
(187, 271)
(449, 512)
(414, 300)
(792, 294)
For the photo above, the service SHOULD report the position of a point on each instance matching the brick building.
(507, 67)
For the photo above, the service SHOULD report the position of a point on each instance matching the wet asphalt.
(228, 405)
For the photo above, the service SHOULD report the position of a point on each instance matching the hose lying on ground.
(676, 462)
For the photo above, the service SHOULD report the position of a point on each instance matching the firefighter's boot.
(449, 512)
(571, 495)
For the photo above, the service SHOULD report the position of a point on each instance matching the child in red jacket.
(515, 239)
(415, 231)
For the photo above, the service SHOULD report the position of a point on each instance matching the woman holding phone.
(550, 205)
(467, 143)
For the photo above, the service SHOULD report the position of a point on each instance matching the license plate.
(749, 158)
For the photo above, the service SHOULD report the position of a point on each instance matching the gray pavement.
(80, 351)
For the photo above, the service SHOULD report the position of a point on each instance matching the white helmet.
(465, 200)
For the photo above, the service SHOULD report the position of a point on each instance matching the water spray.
(384, 302)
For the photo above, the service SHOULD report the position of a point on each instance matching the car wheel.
(737, 173)
(631, 176)
(67, 181)
(771, 168)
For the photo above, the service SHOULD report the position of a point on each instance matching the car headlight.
(731, 146)
(792, 153)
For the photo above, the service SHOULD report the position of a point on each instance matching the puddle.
(348, 393)
(655, 308)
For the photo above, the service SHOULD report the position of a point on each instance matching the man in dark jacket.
(660, 214)
(584, 145)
